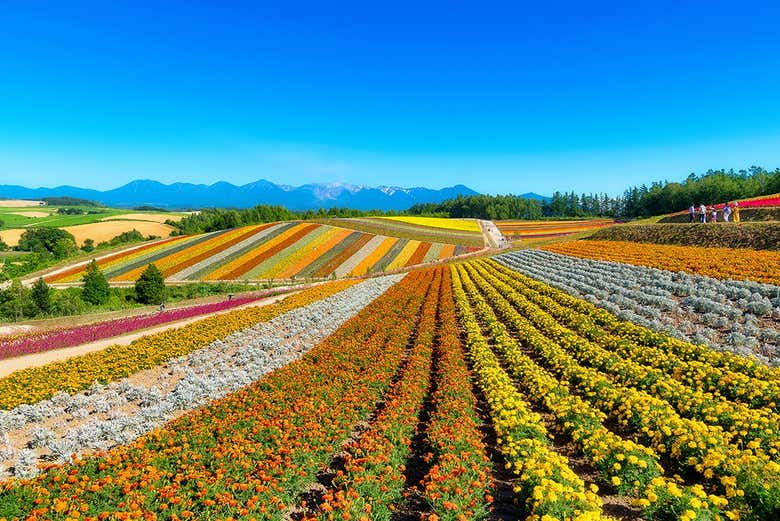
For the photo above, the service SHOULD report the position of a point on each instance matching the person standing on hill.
(726, 212)
(736, 211)
(692, 213)
(714, 214)
(702, 213)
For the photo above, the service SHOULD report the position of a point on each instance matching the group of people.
(706, 213)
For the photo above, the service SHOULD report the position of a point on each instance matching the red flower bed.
(68, 337)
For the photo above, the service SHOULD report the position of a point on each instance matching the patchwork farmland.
(270, 251)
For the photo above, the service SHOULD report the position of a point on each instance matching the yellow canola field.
(464, 225)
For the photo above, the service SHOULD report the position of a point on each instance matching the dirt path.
(492, 235)
(10, 365)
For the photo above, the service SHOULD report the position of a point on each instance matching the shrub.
(41, 295)
(95, 290)
(150, 286)
(44, 240)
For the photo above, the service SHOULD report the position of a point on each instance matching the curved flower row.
(248, 455)
(761, 266)
(742, 317)
(628, 467)
(546, 485)
(747, 477)
(104, 416)
(107, 262)
(738, 377)
(373, 477)
(458, 483)
(73, 336)
(74, 374)
(752, 428)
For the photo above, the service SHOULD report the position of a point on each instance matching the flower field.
(722, 263)
(269, 251)
(464, 225)
(481, 390)
(514, 230)
(106, 415)
(737, 316)
(447, 231)
(37, 342)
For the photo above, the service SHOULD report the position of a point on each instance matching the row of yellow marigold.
(750, 478)
(623, 465)
(617, 357)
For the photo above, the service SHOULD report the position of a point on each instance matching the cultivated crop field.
(463, 225)
(722, 263)
(269, 251)
(461, 232)
(529, 386)
(96, 223)
(526, 230)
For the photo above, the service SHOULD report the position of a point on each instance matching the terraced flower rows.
(269, 251)
(103, 416)
(462, 392)
(700, 427)
(36, 342)
(720, 263)
(463, 232)
(514, 230)
(738, 316)
(259, 452)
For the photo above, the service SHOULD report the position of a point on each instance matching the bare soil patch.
(18, 203)
(31, 214)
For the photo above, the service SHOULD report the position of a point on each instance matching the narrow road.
(492, 235)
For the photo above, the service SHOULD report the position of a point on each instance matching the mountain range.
(226, 195)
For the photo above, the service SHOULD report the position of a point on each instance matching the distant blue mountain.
(532, 195)
(224, 195)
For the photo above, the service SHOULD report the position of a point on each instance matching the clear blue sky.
(503, 97)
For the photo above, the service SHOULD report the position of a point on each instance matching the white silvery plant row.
(104, 416)
(738, 316)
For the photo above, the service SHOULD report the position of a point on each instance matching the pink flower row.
(67, 337)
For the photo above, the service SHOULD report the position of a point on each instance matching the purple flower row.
(67, 337)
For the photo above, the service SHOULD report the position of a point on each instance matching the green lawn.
(58, 221)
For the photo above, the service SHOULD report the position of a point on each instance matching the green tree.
(88, 245)
(64, 248)
(95, 290)
(16, 303)
(43, 240)
(150, 286)
(41, 295)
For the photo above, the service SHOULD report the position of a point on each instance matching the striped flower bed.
(73, 336)
(270, 251)
(544, 229)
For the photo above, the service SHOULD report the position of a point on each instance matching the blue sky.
(503, 97)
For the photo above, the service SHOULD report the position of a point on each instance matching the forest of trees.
(712, 187)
